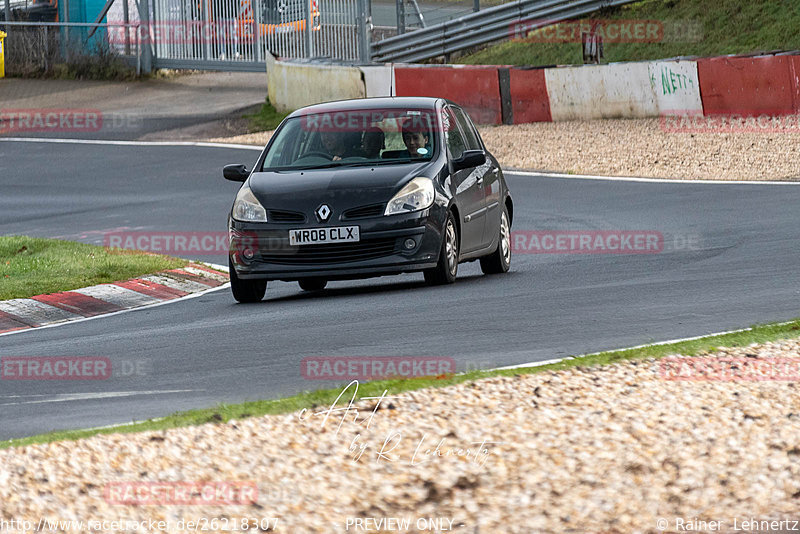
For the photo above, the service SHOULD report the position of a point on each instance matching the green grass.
(265, 119)
(726, 27)
(322, 399)
(33, 266)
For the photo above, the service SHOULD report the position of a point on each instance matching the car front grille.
(280, 216)
(374, 210)
(325, 254)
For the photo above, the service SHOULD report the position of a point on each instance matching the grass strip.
(32, 266)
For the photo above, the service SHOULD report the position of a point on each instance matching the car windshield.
(353, 138)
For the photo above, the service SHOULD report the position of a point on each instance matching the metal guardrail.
(491, 24)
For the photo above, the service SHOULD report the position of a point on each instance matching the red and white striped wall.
(729, 85)
(46, 310)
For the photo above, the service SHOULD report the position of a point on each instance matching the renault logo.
(323, 213)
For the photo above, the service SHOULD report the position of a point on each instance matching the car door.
(467, 185)
(488, 174)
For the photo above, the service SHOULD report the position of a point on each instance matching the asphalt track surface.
(741, 267)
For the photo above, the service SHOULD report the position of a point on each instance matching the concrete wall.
(676, 87)
(294, 85)
(619, 90)
(378, 81)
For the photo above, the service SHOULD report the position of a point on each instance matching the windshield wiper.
(348, 164)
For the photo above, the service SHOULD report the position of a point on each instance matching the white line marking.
(657, 343)
(129, 143)
(509, 171)
(645, 180)
(69, 397)
(131, 423)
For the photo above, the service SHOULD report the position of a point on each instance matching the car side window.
(470, 135)
(453, 135)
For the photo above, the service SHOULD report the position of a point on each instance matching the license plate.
(322, 236)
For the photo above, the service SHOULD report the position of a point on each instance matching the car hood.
(340, 188)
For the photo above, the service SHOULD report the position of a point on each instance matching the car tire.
(499, 261)
(446, 268)
(246, 290)
(312, 284)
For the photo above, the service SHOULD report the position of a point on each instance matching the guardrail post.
(476, 5)
(506, 105)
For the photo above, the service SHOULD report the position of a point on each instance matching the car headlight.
(247, 208)
(417, 195)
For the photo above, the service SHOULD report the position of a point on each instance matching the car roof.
(383, 102)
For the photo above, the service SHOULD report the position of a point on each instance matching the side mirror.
(235, 173)
(469, 159)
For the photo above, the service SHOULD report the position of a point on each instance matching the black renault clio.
(370, 187)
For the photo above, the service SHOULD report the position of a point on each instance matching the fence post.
(8, 14)
(147, 50)
(126, 20)
(364, 25)
(401, 17)
(309, 30)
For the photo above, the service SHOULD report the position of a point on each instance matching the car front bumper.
(262, 250)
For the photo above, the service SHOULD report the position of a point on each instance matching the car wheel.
(312, 284)
(500, 260)
(246, 290)
(447, 267)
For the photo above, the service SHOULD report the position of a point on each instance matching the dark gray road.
(385, 13)
(741, 268)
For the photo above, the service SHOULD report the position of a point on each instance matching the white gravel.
(636, 147)
(605, 449)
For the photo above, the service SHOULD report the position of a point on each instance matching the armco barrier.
(294, 85)
(476, 89)
(529, 99)
(749, 86)
(618, 90)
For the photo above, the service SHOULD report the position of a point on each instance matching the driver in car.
(334, 143)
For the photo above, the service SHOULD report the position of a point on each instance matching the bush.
(52, 52)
